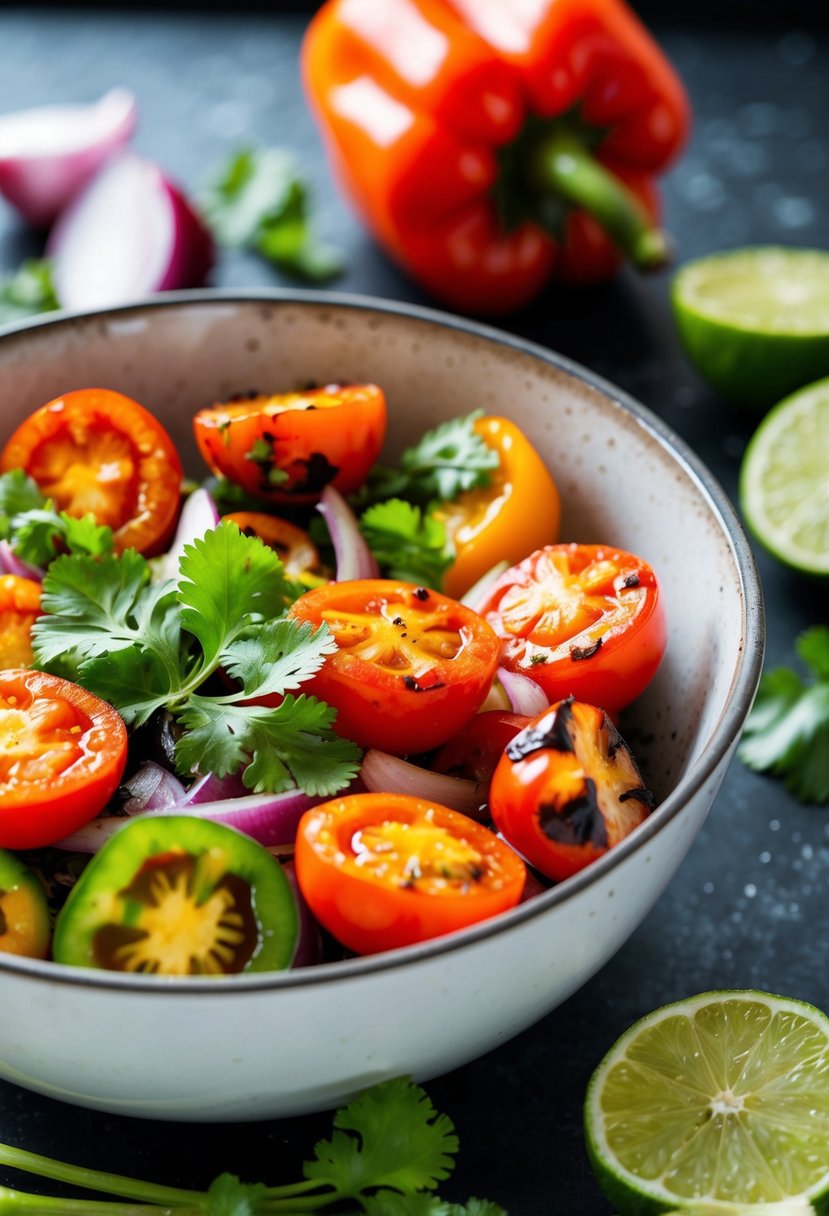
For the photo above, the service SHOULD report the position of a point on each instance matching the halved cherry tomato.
(24, 910)
(519, 510)
(97, 451)
(585, 620)
(386, 870)
(289, 447)
(179, 896)
(411, 665)
(477, 747)
(19, 609)
(62, 754)
(567, 789)
(294, 546)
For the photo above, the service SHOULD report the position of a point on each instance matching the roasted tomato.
(95, 451)
(179, 896)
(296, 549)
(19, 609)
(585, 620)
(62, 754)
(517, 512)
(386, 870)
(411, 665)
(477, 747)
(24, 910)
(567, 789)
(288, 448)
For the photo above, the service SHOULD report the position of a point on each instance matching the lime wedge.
(716, 1103)
(755, 321)
(784, 480)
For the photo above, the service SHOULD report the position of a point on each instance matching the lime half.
(715, 1103)
(784, 480)
(755, 321)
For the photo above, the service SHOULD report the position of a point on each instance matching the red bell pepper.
(493, 145)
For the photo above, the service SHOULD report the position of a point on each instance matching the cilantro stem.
(169, 1197)
(47, 1205)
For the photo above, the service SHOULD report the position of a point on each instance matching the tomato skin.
(411, 665)
(95, 450)
(294, 546)
(476, 749)
(62, 755)
(519, 510)
(289, 447)
(581, 620)
(24, 910)
(373, 901)
(19, 609)
(567, 789)
(222, 901)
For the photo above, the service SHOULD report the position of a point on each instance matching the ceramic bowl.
(194, 1049)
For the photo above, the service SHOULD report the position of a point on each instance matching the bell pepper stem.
(563, 165)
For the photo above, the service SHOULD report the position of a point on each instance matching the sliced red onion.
(353, 557)
(478, 592)
(525, 696)
(309, 950)
(385, 774)
(129, 233)
(211, 788)
(47, 154)
(152, 788)
(198, 515)
(10, 563)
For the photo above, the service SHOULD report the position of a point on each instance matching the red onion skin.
(213, 789)
(10, 563)
(193, 259)
(40, 185)
(353, 556)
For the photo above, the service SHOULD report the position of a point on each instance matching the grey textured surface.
(748, 908)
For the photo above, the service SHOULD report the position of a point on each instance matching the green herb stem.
(49, 1205)
(97, 1180)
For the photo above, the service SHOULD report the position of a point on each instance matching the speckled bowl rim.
(741, 694)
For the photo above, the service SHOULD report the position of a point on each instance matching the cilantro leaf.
(135, 681)
(278, 658)
(30, 290)
(787, 731)
(259, 201)
(91, 604)
(289, 745)
(409, 544)
(18, 493)
(448, 460)
(39, 534)
(228, 581)
(399, 1142)
(228, 1196)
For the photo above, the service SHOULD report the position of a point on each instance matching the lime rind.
(755, 321)
(717, 1104)
(784, 480)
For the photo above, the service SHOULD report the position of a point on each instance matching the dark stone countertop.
(748, 906)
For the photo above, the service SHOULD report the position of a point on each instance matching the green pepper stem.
(561, 163)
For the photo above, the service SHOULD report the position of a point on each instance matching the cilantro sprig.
(408, 543)
(389, 1151)
(787, 732)
(37, 532)
(145, 646)
(448, 460)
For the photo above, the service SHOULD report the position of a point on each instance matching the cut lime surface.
(755, 321)
(716, 1103)
(784, 480)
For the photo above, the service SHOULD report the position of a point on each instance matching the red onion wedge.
(269, 818)
(211, 788)
(49, 153)
(385, 774)
(525, 696)
(152, 788)
(353, 557)
(198, 515)
(10, 563)
(129, 233)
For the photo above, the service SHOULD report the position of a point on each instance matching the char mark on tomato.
(577, 653)
(579, 821)
(319, 472)
(413, 686)
(555, 735)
